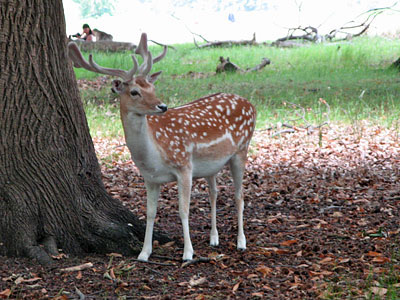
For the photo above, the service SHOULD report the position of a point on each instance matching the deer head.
(136, 89)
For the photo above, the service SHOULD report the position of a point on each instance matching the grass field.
(353, 77)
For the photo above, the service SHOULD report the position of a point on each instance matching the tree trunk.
(51, 193)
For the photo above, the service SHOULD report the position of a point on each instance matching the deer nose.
(163, 107)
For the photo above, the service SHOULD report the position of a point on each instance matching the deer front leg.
(212, 187)
(153, 191)
(184, 189)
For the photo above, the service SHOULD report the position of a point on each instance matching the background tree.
(96, 8)
(51, 193)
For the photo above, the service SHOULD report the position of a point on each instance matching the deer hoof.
(143, 256)
(187, 256)
(241, 243)
(214, 241)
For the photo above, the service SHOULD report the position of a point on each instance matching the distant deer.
(190, 141)
(101, 35)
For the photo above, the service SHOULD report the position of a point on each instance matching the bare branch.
(78, 268)
(310, 128)
(196, 261)
(154, 263)
(163, 45)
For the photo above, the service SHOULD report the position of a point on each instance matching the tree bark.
(51, 193)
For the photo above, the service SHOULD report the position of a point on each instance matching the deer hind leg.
(184, 189)
(153, 191)
(212, 187)
(237, 167)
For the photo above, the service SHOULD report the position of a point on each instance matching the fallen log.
(228, 43)
(227, 66)
(396, 64)
(264, 62)
(106, 46)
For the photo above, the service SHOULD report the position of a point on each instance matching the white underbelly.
(163, 174)
(207, 168)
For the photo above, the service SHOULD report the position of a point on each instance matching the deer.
(195, 140)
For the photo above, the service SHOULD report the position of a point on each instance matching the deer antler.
(80, 62)
(148, 61)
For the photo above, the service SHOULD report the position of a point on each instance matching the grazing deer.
(190, 141)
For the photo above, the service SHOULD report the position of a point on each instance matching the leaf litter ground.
(321, 220)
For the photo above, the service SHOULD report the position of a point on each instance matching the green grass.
(353, 77)
(372, 287)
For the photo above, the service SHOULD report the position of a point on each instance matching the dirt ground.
(321, 220)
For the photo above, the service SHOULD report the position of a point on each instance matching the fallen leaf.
(168, 245)
(183, 283)
(289, 242)
(321, 273)
(235, 287)
(112, 275)
(258, 294)
(326, 260)
(33, 286)
(146, 287)
(397, 285)
(380, 259)
(79, 275)
(343, 260)
(59, 256)
(337, 214)
(378, 291)
(31, 280)
(264, 270)
(62, 297)
(374, 254)
(5, 294)
(195, 282)
(267, 287)
(19, 280)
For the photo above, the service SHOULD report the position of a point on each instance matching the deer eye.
(135, 93)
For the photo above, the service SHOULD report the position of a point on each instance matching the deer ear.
(153, 77)
(117, 86)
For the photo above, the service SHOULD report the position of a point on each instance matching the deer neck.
(138, 138)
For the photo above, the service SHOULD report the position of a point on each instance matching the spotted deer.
(194, 140)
